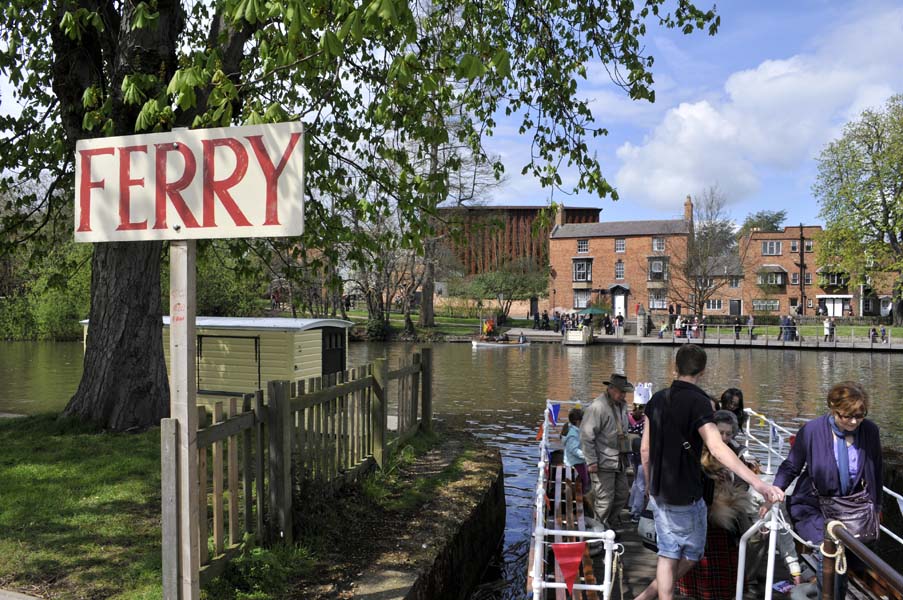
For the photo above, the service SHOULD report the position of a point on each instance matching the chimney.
(688, 209)
(559, 215)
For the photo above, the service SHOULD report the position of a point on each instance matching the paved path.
(6, 595)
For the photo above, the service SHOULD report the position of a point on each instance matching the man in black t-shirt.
(679, 422)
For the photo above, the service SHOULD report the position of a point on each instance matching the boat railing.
(775, 447)
(541, 533)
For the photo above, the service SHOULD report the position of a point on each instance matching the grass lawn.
(79, 510)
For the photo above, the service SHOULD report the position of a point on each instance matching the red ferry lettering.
(125, 183)
(271, 173)
(221, 187)
(172, 190)
(84, 192)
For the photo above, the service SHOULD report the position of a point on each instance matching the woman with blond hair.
(835, 455)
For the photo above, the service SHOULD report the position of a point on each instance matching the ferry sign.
(234, 182)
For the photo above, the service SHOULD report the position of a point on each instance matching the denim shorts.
(680, 529)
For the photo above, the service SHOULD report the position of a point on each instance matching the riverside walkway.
(724, 336)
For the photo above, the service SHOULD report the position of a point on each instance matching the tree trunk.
(427, 289)
(124, 384)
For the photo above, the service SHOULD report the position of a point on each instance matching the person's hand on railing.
(771, 493)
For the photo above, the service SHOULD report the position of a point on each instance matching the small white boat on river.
(488, 343)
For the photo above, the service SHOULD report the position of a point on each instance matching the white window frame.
(794, 245)
(771, 279)
(809, 245)
(794, 279)
(714, 304)
(582, 298)
(658, 299)
(620, 245)
(582, 270)
(734, 282)
(619, 269)
(658, 244)
(582, 246)
(808, 280)
(771, 247)
(656, 274)
(769, 304)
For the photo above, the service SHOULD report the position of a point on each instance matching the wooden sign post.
(183, 186)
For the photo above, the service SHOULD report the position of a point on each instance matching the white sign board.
(191, 184)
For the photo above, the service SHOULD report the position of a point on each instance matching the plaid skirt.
(715, 576)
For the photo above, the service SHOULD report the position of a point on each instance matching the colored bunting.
(569, 557)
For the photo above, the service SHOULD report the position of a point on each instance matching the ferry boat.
(569, 558)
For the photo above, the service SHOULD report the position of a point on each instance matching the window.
(734, 282)
(582, 246)
(620, 245)
(835, 279)
(657, 299)
(867, 305)
(808, 280)
(809, 244)
(771, 279)
(766, 305)
(809, 303)
(713, 304)
(656, 270)
(794, 302)
(658, 244)
(583, 270)
(794, 246)
(581, 298)
(794, 279)
(704, 283)
(619, 270)
(771, 248)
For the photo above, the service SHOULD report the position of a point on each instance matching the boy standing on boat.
(679, 422)
(603, 435)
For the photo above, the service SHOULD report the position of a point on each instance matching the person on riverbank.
(837, 454)
(826, 328)
(738, 327)
(573, 453)
(750, 324)
(679, 424)
(603, 435)
(883, 334)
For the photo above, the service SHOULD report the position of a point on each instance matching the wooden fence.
(322, 430)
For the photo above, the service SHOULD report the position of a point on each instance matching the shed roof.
(620, 229)
(278, 323)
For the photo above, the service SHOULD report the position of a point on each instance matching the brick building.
(619, 263)
(786, 275)
(493, 235)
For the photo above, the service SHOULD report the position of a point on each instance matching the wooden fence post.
(426, 385)
(169, 477)
(379, 409)
(280, 447)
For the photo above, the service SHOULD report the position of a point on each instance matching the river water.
(499, 395)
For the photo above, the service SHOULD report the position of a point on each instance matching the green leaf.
(502, 62)
(331, 43)
(470, 67)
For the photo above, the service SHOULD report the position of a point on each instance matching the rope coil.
(840, 557)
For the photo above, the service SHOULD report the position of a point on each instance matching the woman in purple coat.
(833, 455)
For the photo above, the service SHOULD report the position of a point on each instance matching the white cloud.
(777, 115)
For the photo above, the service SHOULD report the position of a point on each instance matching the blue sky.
(748, 110)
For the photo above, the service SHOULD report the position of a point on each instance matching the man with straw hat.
(603, 435)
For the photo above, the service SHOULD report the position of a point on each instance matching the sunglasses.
(857, 416)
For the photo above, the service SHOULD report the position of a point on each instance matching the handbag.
(646, 529)
(855, 511)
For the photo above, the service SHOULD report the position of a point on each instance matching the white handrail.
(540, 532)
(772, 426)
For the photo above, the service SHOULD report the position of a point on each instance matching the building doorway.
(736, 308)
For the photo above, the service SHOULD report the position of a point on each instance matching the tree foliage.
(374, 92)
(763, 220)
(712, 256)
(517, 280)
(860, 190)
